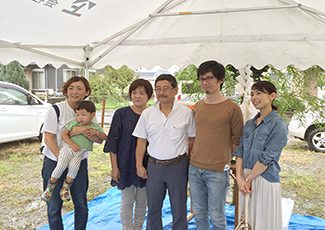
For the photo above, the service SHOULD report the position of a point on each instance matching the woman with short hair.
(121, 145)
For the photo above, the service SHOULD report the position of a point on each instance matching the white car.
(21, 113)
(310, 129)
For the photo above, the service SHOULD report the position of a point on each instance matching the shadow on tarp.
(104, 213)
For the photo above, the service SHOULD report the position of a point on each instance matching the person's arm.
(49, 140)
(272, 150)
(139, 154)
(190, 146)
(76, 130)
(237, 125)
(95, 135)
(243, 186)
(257, 170)
(234, 148)
(66, 138)
(115, 173)
(191, 130)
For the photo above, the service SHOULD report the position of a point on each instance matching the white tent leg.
(87, 60)
(244, 88)
(56, 80)
(87, 73)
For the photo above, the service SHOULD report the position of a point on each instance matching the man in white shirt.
(170, 130)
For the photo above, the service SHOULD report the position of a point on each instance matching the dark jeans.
(78, 193)
(173, 178)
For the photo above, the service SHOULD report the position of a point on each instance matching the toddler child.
(73, 149)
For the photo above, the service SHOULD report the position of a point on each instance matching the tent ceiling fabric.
(96, 33)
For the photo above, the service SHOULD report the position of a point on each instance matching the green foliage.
(188, 78)
(192, 87)
(187, 74)
(319, 74)
(120, 78)
(14, 73)
(228, 87)
(294, 86)
(110, 84)
(258, 73)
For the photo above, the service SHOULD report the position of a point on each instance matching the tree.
(14, 73)
(120, 78)
(293, 86)
(192, 87)
(111, 84)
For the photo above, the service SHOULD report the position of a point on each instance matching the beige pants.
(133, 196)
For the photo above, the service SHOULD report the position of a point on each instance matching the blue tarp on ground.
(104, 213)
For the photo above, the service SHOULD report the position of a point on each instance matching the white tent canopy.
(96, 33)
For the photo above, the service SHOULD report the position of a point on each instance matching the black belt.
(173, 161)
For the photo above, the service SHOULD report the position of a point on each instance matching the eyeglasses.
(164, 89)
(208, 79)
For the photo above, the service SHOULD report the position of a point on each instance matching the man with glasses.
(169, 129)
(219, 124)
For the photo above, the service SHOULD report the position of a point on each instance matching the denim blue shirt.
(264, 144)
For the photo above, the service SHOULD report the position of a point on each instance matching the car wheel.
(316, 140)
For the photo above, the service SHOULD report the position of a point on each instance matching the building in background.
(48, 78)
(152, 74)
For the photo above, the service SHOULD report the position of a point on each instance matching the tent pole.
(117, 34)
(131, 27)
(87, 73)
(87, 62)
(235, 10)
(56, 80)
(51, 56)
(158, 10)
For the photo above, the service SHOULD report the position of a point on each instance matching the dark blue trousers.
(174, 179)
(78, 192)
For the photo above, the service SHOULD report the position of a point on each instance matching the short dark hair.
(167, 77)
(87, 105)
(75, 79)
(141, 82)
(266, 87)
(217, 69)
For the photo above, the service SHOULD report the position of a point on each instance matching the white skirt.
(264, 209)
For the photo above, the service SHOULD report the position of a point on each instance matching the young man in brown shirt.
(219, 124)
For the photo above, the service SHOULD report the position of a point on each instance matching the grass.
(302, 180)
(307, 185)
(115, 105)
(21, 183)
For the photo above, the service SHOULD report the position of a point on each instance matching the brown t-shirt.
(218, 126)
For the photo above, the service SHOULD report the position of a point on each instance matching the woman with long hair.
(257, 162)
